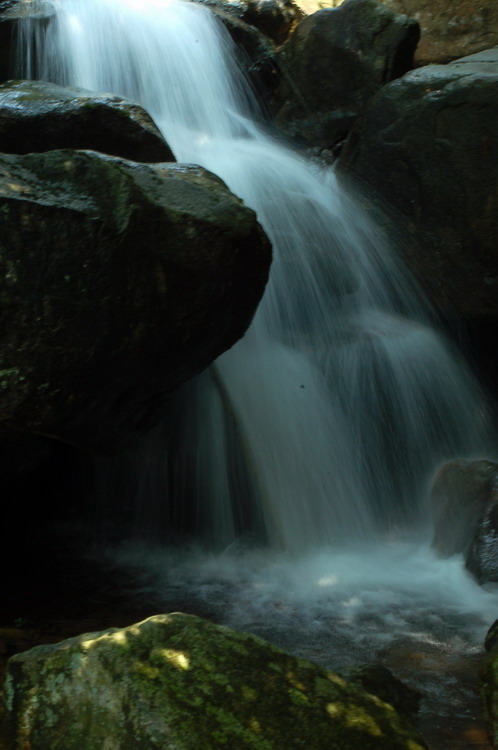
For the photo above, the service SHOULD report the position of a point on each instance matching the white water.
(324, 424)
(343, 398)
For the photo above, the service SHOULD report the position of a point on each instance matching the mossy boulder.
(118, 282)
(179, 682)
(41, 116)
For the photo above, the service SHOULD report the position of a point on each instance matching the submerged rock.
(41, 116)
(464, 501)
(119, 281)
(334, 61)
(426, 146)
(179, 682)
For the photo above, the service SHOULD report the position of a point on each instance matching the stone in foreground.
(178, 682)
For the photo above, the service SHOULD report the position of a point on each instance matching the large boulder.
(426, 147)
(179, 682)
(464, 499)
(450, 28)
(119, 281)
(41, 116)
(334, 61)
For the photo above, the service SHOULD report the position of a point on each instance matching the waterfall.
(324, 424)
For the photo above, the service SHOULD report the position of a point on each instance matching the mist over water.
(318, 433)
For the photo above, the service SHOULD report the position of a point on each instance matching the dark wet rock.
(380, 681)
(41, 116)
(450, 28)
(178, 681)
(119, 281)
(482, 560)
(461, 492)
(11, 12)
(273, 18)
(334, 61)
(464, 502)
(491, 640)
(257, 55)
(426, 146)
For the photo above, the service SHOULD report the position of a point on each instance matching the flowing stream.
(317, 434)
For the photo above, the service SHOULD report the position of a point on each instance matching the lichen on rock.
(178, 682)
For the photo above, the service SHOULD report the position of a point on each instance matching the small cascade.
(324, 424)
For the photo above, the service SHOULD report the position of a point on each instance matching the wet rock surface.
(334, 61)
(464, 499)
(274, 18)
(426, 147)
(119, 282)
(39, 116)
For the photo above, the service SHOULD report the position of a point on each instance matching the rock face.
(40, 116)
(426, 145)
(334, 61)
(464, 501)
(450, 28)
(178, 682)
(119, 281)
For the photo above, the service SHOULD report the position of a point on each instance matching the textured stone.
(178, 682)
(464, 500)
(41, 116)
(118, 282)
(334, 61)
(450, 28)
(426, 147)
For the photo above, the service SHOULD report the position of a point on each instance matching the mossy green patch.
(178, 682)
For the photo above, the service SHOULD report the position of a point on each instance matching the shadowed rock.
(426, 145)
(119, 281)
(334, 61)
(464, 502)
(41, 116)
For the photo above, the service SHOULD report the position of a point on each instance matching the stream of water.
(317, 434)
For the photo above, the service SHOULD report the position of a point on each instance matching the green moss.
(181, 682)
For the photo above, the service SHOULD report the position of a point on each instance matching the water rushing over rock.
(341, 400)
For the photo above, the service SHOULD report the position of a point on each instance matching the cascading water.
(344, 400)
(331, 414)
